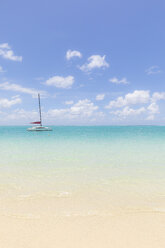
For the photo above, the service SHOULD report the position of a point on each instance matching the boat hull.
(39, 129)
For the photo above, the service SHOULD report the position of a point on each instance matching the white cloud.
(81, 109)
(16, 96)
(115, 80)
(6, 103)
(100, 97)
(70, 54)
(19, 88)
(150, 117)
(7, 53)
(137, 97)
(158, 96)
(127, 111)
(21, 114)
(153, 70)
(57, 113)
(1, 69)
(60, 82)
(153, 108)
(94, 61)
(69, 102)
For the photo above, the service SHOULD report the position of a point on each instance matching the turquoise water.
(109, 163)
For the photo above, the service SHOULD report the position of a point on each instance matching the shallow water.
(82, 170)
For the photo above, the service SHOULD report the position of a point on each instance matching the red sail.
(35, 122)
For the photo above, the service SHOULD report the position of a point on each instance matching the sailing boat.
(40, 127)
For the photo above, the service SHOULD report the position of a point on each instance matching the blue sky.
(94, 62)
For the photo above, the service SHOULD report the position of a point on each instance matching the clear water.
(104, 168)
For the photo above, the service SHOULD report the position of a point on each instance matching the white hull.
(39, 128)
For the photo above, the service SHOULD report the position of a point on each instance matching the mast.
(39, 109)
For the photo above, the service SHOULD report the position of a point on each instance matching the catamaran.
(40, 127)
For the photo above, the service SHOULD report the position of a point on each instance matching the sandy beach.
(144, 230)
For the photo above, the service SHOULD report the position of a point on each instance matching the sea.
(82, 170)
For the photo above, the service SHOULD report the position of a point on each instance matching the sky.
(95, 62)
